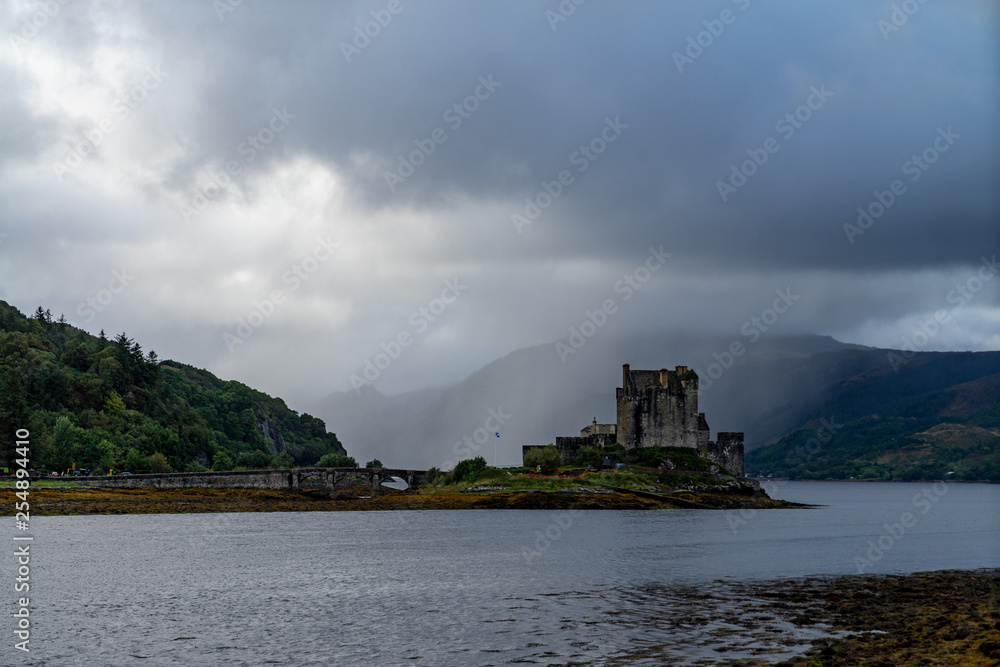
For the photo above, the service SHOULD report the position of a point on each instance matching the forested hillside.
(934, 417)
(105, 404)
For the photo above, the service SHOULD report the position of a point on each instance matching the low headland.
(627, 488)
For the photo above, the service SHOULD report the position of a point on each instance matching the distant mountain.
(103, 404)
(539, 397)
(935, 416)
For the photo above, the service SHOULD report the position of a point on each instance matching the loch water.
(466, 587)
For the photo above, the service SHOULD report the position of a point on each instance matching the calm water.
(463, 587)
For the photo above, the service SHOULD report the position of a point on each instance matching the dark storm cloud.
(820, 105)
(884, 100)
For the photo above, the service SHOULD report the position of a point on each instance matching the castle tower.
(659, 408)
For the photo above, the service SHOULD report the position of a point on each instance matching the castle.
(658, 408)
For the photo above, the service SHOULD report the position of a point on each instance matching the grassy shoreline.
(632, 487)
(70, 501)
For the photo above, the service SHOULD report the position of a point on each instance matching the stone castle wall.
(727, 451)
(658, 408)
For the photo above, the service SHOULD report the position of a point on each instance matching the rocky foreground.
(947, 617)
(927, 618)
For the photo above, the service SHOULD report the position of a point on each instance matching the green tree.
(374, 463)
(587, 456)
(467, 468)
(255, 460)
(222, 462)
(14, 413)
(548, 458)
(282, 460)
(76, 354)
(333, 460)
(136, 461)
(158, 463)
(111, 372)
(97, 455)
(63, 448)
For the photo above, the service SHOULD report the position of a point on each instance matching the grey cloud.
(655, 184)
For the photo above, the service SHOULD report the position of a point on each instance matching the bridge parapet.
(289, 478)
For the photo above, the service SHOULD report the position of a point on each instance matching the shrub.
(222, 462)
(374, 463)
(194, 466)
(488, 474)
(547, 458)
(255, 460)
(158, 463)
(466, 468)
(587, 456)
(432, 475)
(333, 460)
(683, 458)
(136, 461)
(282, 460)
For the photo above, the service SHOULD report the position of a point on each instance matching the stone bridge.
(289, 479)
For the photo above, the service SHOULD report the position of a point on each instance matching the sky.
(292, 194)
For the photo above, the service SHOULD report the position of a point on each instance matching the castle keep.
(659, 408)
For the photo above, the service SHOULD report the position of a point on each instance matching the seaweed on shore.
(67, 501)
